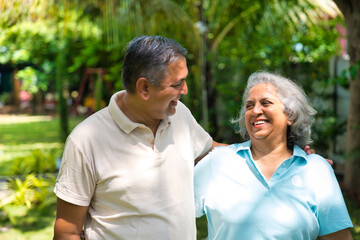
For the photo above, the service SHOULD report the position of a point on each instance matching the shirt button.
(278, 172)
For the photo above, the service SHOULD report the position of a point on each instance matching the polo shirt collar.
(124, 122)
(297, 151)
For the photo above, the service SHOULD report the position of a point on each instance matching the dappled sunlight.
(24, 147)
(12, 118)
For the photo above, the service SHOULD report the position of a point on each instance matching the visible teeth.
(259, 122)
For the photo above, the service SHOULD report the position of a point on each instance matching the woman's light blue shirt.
(302, 200)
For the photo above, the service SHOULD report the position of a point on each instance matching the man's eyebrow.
(181, 80)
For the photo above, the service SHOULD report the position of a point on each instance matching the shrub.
(39, 162)
(32, 193)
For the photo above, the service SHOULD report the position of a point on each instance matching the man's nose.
(184, 89)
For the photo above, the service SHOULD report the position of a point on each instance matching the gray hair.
(149, 57)
(297, 107)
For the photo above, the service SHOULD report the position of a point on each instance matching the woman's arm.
(344, 234)
(69, 221)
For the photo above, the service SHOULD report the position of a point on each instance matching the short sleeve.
(75, 182)
(202, 177)
(332, 213)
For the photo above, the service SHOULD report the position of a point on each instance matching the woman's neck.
(268, 157)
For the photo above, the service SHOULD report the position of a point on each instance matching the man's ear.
(142, 88)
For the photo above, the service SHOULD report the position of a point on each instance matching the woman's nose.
(257, 109)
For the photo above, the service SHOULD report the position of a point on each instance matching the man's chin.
(171, 111)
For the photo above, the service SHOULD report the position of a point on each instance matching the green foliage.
(325, 129)
(39, 162)
(28, 42)
(20, 140)
(37, 41)
(353, 206)
(345, 76)
(242, 37)
(30, 80)
(201, 228)
(301, 54)
(26, 195)
(19, 133)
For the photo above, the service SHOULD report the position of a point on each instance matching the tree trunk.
(351, 12)
(211, 97)
(61, 101)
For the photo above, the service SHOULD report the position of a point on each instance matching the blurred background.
(61, 60)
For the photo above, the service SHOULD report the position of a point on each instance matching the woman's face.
(264, 115)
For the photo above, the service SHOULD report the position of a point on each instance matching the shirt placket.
(280, 171)
(255, 170)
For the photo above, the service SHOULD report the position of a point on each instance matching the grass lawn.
(201, 227)
(21, 135)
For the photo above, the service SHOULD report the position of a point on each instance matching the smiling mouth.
(259, 122)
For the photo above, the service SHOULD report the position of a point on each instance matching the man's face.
(164, 98)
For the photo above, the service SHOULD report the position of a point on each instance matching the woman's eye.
(248, 106)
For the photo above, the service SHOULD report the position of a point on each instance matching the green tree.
(227, 40)
(45, 34)
(238, 39)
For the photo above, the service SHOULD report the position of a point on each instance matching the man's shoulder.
(182, 108)
(182, 114)
(92, 124)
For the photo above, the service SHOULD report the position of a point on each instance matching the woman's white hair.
(296, 107)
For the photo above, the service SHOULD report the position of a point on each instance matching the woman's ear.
(290, 122)
(142, 88)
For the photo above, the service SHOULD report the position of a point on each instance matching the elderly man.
(127, 170)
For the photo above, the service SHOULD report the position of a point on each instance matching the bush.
(39, 162)
(33, 194)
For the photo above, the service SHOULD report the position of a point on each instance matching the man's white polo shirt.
(136, 186)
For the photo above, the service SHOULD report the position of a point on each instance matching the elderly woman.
(268, 187)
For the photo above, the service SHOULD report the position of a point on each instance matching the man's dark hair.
(148, 57)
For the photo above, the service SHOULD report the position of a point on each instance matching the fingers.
(331, 162)
(308, 150)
